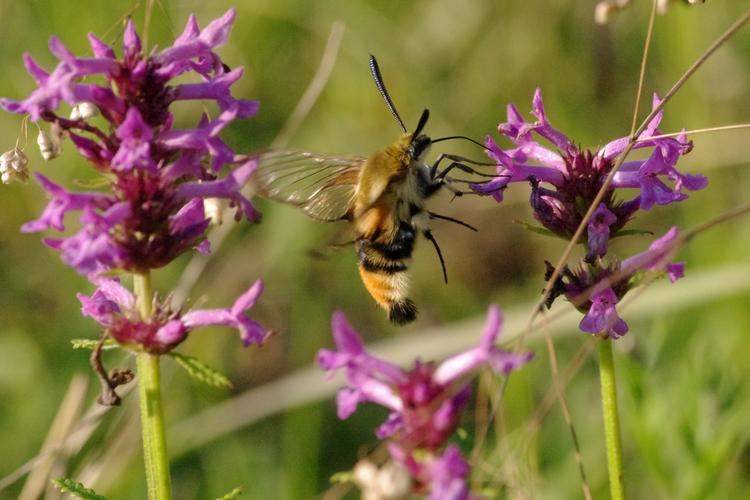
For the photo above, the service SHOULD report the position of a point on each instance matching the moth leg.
(433, 215)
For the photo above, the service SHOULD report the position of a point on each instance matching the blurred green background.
(683, 369)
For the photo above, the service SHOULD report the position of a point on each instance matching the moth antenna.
(452, 137)
(429, 236)
(375, 70)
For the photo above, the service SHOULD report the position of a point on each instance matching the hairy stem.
(152, 415)
(611, 420)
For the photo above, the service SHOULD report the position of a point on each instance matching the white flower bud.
(213, 210)
(393, 481)
(13, 166)
(83, 111)
(46, 146)
(605, 10)
(365, 473)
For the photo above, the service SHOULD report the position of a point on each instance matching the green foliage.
(200, 371)
(342, 477)
(535, 229)
(67, 485)
(232, 494)
(91, 344)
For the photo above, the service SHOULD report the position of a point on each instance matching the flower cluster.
(114, 307)
(426, 403)
(565, 180)
(158, 176)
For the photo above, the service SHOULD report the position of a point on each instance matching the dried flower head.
(14, 166)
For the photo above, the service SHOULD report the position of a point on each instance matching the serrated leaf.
(631, 232)
(198, 370)
(67, 485)
(342, 477)
(232, 494)
(91, 344)
(535, 229)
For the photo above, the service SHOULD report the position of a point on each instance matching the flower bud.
(46, 146)
(213, 210)
(13, 166)
(393, 480)
(606, 10)
(83, 111)
(390, 482)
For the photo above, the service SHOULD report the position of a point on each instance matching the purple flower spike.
(427, 402)
(566, 179)
(159, 177)
(602, 316)
(114, 307)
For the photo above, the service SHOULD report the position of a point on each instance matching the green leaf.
(198, 370)
(342, 477)
(535, 229)
(632, 232)
(95, 183)
(91, 344)
(67, 485)
(232, 494)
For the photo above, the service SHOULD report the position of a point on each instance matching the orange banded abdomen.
(383, 268)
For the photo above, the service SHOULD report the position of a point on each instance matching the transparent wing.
(322, 186)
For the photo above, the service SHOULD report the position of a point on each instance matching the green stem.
(611, 420)
(152, 415)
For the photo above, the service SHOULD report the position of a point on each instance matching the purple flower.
(113, 307)
(158, 176)
(565, 180)
(61, 202)
(235, 317)
(135, 147)
(602, 316)
(595, 291)
(426, 402)
(598, 232)
(439, 477)
(655, 258)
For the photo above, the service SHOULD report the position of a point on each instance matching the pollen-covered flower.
(158, 175)
(114, 307)
(426, 402)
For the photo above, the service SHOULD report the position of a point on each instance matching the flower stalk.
(611, 419)
(152, 415)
